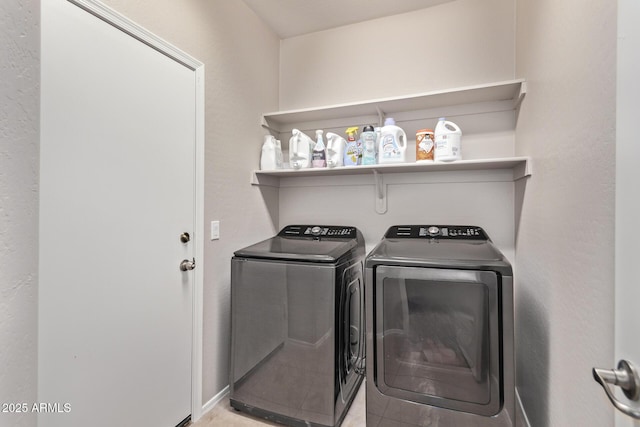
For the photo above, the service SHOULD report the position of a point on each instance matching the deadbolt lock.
(184, 237)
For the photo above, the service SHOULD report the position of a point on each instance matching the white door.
(627, 281)
(118, 142)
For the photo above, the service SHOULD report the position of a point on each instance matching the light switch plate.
(215, 230)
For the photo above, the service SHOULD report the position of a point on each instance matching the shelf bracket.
(521, 95)
(381, 192)
(380, 116)
(265, 125)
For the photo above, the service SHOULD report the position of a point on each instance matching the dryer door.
(437, 338)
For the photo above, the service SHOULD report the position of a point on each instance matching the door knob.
(187, 265)
(626, 377)
(184, 237)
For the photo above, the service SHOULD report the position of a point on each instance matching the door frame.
(134, 30)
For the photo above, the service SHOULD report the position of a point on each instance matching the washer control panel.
(317, 231)
(462, 232)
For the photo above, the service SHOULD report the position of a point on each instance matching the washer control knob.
(316, 231)
(433, 231)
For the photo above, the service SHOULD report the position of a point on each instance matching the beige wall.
(19, 165)
(565, 238)
(459, 43)
(241, 63)
(442, 47)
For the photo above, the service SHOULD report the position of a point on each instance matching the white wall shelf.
(478, 99)
(519, 166)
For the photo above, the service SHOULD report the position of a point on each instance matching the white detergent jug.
(269, 156)
(300, 150)
(335, 150)
(447, 141)
(392, 146)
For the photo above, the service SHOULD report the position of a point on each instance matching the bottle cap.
(389, 121)
(367, 128)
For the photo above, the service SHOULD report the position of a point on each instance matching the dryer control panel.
(458, 232)
(315, 231)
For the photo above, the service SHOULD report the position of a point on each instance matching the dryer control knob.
(316, 231)
(433, 231)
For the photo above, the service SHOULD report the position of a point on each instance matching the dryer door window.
(437, 337)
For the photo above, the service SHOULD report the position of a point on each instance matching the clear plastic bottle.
(352, 153)
(319, 152)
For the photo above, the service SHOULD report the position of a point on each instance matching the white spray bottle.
(319, 152)
(353, 153)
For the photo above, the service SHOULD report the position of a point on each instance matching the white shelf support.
(265, 125)
(521, 94)
(380, 116)
(381, 192)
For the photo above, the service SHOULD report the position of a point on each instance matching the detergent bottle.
(300, 150)
(319, 152)
(352, 153)
(279, 159)
(447, 141)
(335, 150)
(392, 147)
(269, 156)
(368, 137)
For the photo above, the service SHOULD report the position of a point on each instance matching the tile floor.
(222, 415)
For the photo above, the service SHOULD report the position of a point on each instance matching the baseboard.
(521, 415)
(215, 400)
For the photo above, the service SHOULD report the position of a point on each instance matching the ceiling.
(289, 18)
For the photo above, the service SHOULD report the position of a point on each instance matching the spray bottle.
(319, 152)
(352, 153)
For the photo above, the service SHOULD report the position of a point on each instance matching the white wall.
(459, 43)
(19, 143)
(566, 50)
(454, 44)
(241, 61)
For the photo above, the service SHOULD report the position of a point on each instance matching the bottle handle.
(453, 125)
(402, 142)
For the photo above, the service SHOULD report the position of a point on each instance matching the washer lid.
(418, 249)
(464, 251)
(305, 243)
